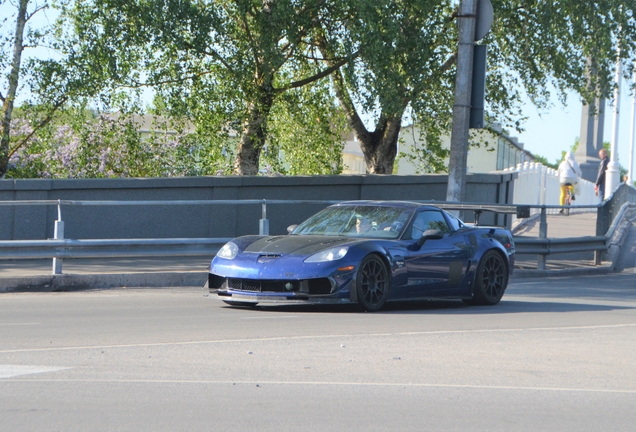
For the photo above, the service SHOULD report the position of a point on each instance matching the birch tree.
(231, 59)
(407, 49)
(15, 38)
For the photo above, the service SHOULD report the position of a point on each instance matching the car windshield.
(357, 221)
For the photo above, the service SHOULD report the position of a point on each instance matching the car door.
(436, 268)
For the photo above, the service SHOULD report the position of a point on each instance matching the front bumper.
(288, 299)
(330, 290)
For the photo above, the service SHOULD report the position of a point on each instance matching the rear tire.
(491, 280)
(373, 282)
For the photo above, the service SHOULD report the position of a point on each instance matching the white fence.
(539, 185)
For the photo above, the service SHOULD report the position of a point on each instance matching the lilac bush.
(104, 146)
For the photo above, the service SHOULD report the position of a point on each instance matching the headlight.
(332, 254)
(228, 251)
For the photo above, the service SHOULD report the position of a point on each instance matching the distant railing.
(538, 185)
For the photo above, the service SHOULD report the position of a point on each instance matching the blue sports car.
(367, 253)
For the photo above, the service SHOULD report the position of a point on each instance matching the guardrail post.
(58, 234)
(263, 224)
(543, 234)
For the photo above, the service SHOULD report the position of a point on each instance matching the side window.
(454, 222)
(427, 220)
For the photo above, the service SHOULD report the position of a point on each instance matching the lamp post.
(461, 108)
(630, 167)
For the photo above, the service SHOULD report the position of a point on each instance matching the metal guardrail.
(59, 248)
(609, 214)
(547, 246)
(544, 246)
(110, 248)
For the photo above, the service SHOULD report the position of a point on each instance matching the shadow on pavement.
(442, 307)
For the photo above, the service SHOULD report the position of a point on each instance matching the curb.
(79, 282)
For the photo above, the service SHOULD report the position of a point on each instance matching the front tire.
(491, 280)
(372, 283)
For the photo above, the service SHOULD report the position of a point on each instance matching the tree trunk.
(253, 137)
(380, 147)
(14, 76)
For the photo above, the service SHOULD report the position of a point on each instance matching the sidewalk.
(93, 273)
(79, 274)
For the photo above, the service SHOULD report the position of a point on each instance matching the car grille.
(261, 286)
(310, 286)
(319, 286)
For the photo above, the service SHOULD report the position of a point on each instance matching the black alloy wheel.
(372, 283)
(491, 279)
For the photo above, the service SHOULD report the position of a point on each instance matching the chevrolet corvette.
(367, 253)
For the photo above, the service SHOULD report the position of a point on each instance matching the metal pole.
(612, 175)
(58, 234)
(543, 234)
(461, 108)
(630, 167)
(263, 224)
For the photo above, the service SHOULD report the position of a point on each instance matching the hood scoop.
(335, 241)
(273, 239)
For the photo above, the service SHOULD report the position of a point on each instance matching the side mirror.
(432, 234)
(291, 228)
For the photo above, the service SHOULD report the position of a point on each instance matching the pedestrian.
(599, 188)
(569, 172)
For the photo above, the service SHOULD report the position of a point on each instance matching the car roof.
(396, 204)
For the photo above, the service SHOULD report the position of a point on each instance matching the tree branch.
(250, 38)
(168, 81)
(219, 57)
(28, 17)
(449, 62)
(40, 125)
(333, 67)
(353, 118)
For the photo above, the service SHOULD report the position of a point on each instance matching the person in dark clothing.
(600, 178)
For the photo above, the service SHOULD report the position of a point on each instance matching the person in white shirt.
(569, 172)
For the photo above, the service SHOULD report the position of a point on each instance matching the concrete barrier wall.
(201, 221)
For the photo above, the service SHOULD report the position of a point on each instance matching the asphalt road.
(555, 354)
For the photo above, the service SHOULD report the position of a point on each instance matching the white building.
(489, 151)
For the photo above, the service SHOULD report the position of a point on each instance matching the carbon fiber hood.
(295, 244)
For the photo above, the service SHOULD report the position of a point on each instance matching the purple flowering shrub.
(104, 146)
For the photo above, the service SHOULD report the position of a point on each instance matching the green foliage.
(307, 132)
(532, 47)
(221, 64)
(402, 50)
(232, 77)
(569, 44)
(81, 144)
(544, 161)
